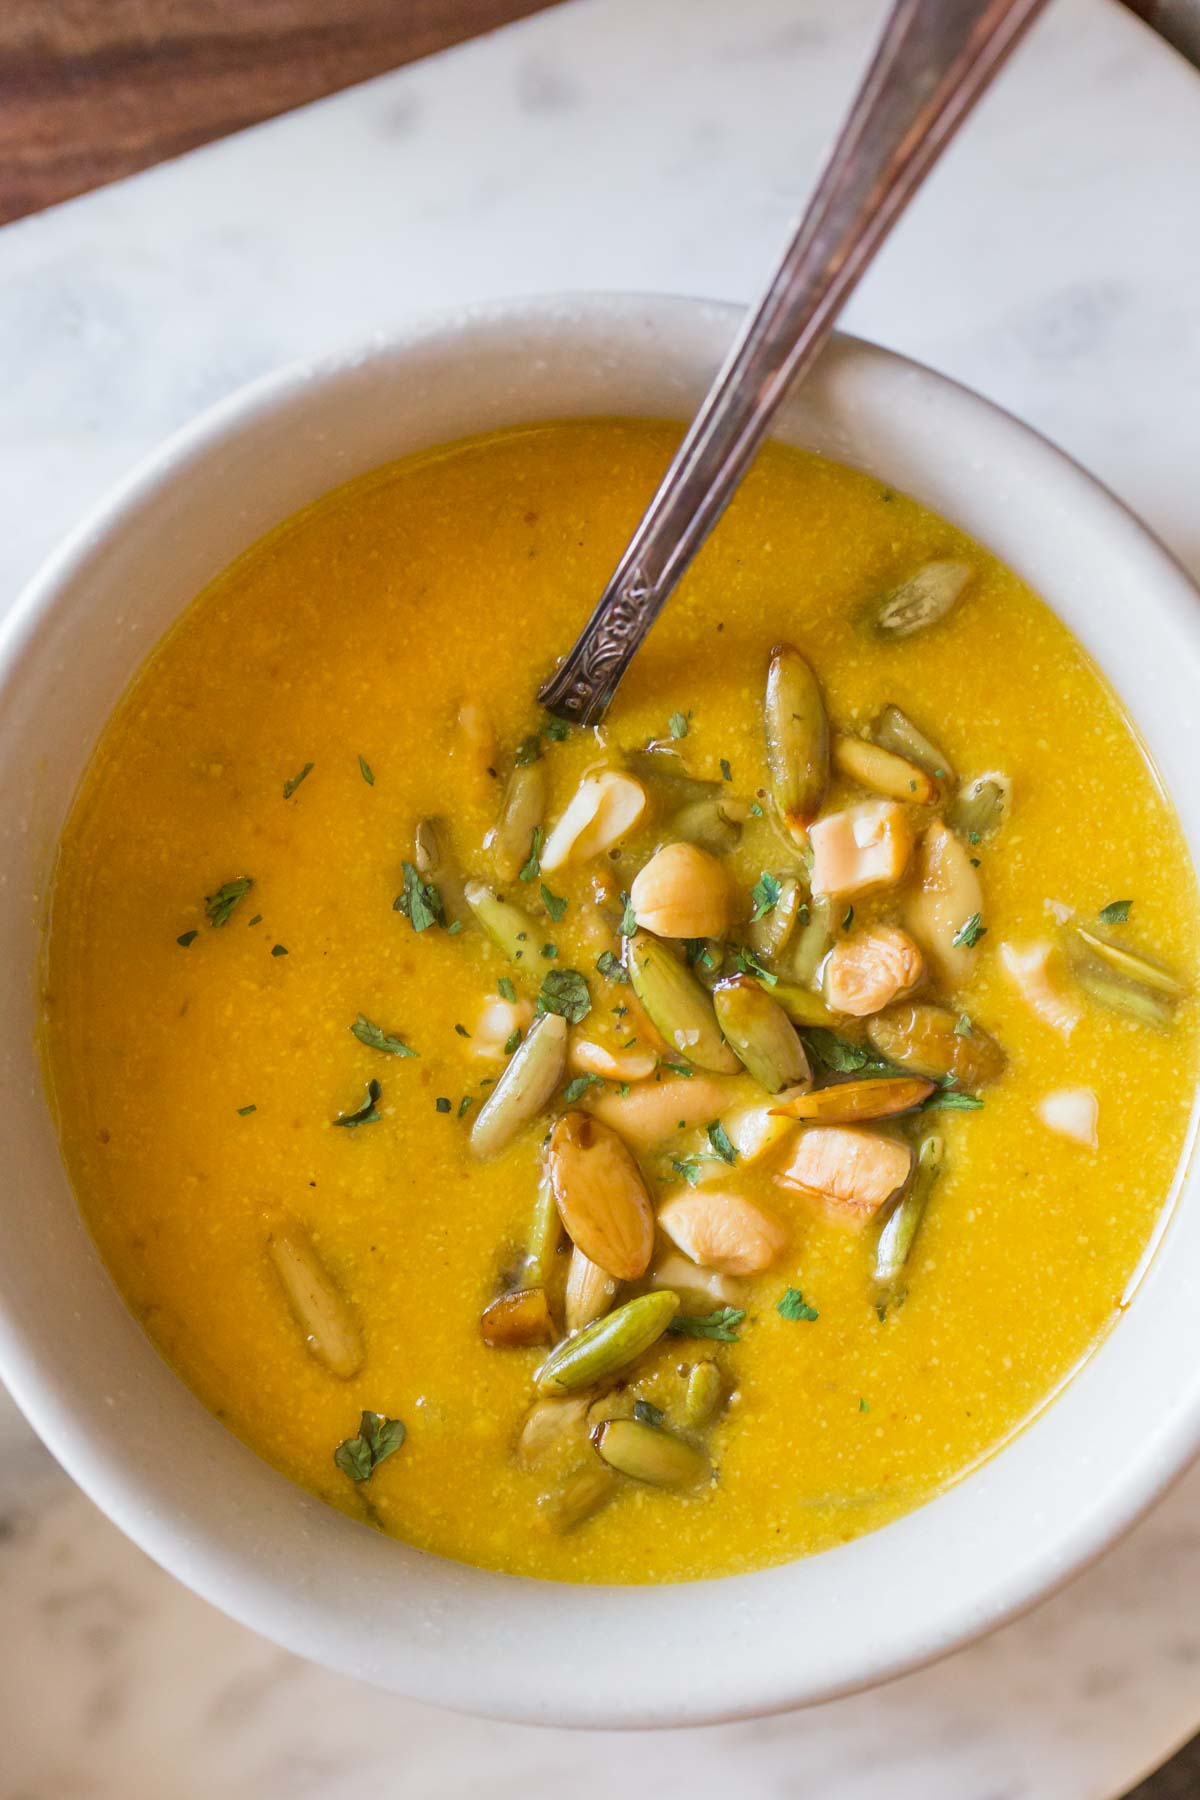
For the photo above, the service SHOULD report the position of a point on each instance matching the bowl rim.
(205, 1567)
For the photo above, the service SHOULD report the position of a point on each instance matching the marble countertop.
(1053, 263)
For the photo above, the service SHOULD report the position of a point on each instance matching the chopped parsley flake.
(1115, 913)
(718, 1137)
(442, 1104)
(420, 901)
(289, 787)
(863, 1406)
(646, 1413)
(529, 750)
(557, 730)
(366, 771)
(256, 920)
(726, 771)
(189, 937)
(462, 1031)
(465, 1104)
(378, 1436)
(969, 932)
(375, 1038)
(533, 863)
(677, 725)
(746, 963)
(368, 1112)
(505, 989)
(564, 991)
(628, 917)
(555, 905)
(244, 1111)
(219, 906)
(610, 967)
(765, 895)
(578, 1087)
(278, 949)
(511, 1042)
(963, 1026)
(952, 1102)
(688, 1167)
(549, 951)
(721, 1325)
(793, 1305)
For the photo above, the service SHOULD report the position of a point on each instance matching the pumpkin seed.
(510, 929)
(801, 1005)
(923, 1038)
(545, 1237)
(589, 1293)
(703, 1395)
(607, 1345)
(677, 1005)
(324, 1315)
(665, 769)
(762, 1034)
(810, 943)
(900, 1228)
(515, 1321)
(982, 807)
(1141, 1005)
(578, 1498)
(709, 824)
(1130, 965)
(851, 1101)
(522, 811)
(435, 862)
(871, 766)
(647, 1453)
(601, 1197)
(768, 935)
(797, 733)
(533, 1073)
(896, 731)
(922, 600)
(546, 1425)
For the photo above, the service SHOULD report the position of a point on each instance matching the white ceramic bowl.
(129, 1431)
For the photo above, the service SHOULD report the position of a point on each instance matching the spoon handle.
(933, 61)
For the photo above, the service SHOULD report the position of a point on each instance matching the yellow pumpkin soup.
(640, 1154)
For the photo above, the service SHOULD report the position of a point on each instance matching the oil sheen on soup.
(636, 1154)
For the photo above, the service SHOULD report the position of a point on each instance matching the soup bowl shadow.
(123, 1424)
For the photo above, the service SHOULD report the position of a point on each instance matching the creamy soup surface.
(854, 1184)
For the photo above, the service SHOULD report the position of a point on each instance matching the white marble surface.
(1054, 264)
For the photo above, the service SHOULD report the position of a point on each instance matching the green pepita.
(608, 1345)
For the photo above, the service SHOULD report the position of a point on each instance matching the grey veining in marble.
(1054, 264)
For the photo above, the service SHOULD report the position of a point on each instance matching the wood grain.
(94, 89)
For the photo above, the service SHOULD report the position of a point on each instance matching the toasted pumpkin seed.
(522, 811)
(515, 1321)
(981, 807)
(664, 768)
(710, 824)
(768, 935)
(1141, 1005)
(545, 1238)
(810, 942)
(589, 1292)
(896, 731)
(607, 1345)
(802, 1005)
(677, 1005)
(601, 1197)
(761, 1033)
(849, 1101)
(533, 1072)
(871, 766)
(324, 1315)
(922, 600)
(509, 928)
(703, 1395)
(1130, 964)
(797, 733)
(578, 1498)
(924, 1038)
(647, 1453)
(900, 1228)
(435, 862)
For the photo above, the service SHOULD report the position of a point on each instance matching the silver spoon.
(933, 61)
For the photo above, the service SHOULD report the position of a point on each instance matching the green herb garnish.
(862, 1406)
(969, 932)
(677, 725)
(579, 1085)
(557, 730)
(420, 901)
(756, 811)
(963, 1027)
(219, 906)
(289, 787)
(244, 1111)
(256, 920)
(189, 937)
(365, 770)
(555, 905)
(549, 951)
(718, 1137)
(529, 750)
(610, 967)
(628, 917)
(726, 771)
(465, 1104)
(462, 1031)
(511, 1041)
(378, 1437)
(564, 991)
(688, 1167)
(1115, 913)
(368, 1112)
(505, 989)
(442, 1104)
(835, 1054)
(952, 1102)
(278, 949)
(793, 1305)
(646, 1413)
(746, 963)
(765, 894)
(375, 1038)
(533, 863)
(720, 1325)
